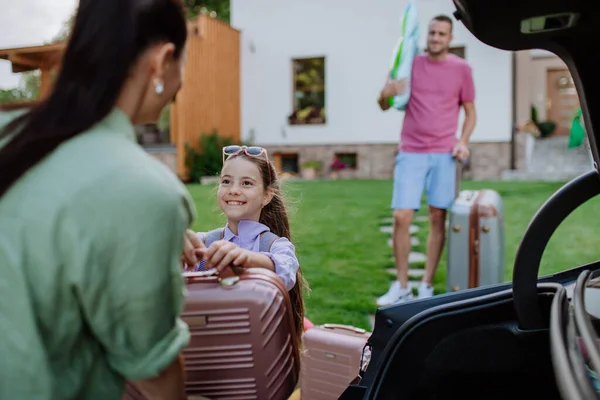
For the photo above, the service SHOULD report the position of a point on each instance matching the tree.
(28, 89)
(10, 95)
(31, 84)
(193, 7)
(65, 31)
(220, 7)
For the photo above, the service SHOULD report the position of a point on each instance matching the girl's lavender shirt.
(283, 252)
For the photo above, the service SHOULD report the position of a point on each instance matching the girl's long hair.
(274, 215)
(107, 39)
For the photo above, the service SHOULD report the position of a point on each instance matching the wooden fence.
(210, 97)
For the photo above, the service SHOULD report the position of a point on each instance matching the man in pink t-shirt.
(440, 84)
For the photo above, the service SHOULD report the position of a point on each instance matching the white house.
(354, 39)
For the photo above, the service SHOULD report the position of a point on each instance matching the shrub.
(208, 160)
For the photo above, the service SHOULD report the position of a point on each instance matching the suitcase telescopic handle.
(345, 327)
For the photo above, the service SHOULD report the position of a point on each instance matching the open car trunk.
(494, 342)
(568, 28)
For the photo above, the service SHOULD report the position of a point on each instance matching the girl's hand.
(223, 253)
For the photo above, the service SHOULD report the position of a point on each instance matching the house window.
(286, 162)
(309, 91)
(347, 158)
(458, 51)
(289, 163)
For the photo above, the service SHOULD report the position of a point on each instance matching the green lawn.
(335, 227)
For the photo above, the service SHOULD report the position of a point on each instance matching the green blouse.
(90, 272)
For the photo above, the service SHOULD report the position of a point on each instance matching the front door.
(561, 99)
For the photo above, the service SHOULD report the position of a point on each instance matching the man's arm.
(467, 99)
(469, 123)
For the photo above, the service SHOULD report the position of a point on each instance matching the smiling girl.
(249, 196)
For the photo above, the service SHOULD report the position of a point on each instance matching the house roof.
(25, 59)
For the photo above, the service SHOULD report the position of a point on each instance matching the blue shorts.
(434, 172)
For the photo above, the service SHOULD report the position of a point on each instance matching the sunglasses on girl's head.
(250, 151)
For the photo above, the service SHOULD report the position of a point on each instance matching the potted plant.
(309, 169)
(545, 128)
(336, 166)
(307, 116)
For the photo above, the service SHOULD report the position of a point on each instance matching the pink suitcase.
(132, 393)
(243, 337)
(331, 360)
(243, 344)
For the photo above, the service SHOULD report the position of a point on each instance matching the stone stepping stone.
(390, 228)
(416, 273)
(412, 229)
(413, 241)
(411, 284)
(386, 228)
(372, 322)
(421, 218)
(414, 258)
(387, 220)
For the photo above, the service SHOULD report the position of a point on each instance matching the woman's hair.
(107, 39)
(274, 215)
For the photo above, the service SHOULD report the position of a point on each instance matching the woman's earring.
(159, 87)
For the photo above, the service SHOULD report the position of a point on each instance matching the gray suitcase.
(475, 240)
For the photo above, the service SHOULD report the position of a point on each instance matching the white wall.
(357, 39)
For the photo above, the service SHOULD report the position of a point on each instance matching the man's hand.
(394, 88)
(460, 151)
(391, 89)
(192, 245)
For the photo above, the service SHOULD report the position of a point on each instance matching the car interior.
(523, 339)
(574, 342)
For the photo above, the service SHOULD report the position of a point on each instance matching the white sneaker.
(425, 290)
(395, 295)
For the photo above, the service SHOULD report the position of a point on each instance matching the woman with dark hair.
(91, 227)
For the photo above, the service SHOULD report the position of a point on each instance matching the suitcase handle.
(227, 278)
(200, 274)
(345, 327)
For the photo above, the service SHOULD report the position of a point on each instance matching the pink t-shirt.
(438, 88)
